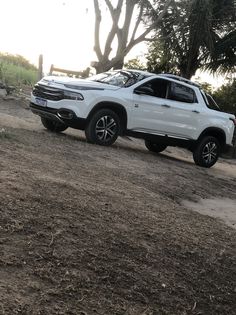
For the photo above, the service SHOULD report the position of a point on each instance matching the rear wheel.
(103, 128)
(155, 147)
(54, 126)
(207, 152)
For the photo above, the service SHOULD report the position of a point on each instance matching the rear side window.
(182, 93)
(210, 102)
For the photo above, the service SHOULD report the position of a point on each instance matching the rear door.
(164, 107)
(184, 116)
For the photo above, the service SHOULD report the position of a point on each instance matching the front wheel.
(103, 127)
(207, 152)
(54, 126)
(155, 147)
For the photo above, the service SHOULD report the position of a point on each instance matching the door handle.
(165, 105)
(196, 111)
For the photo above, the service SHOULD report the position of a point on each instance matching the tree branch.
(142, 37)
(110, 6)
(124, 31)
(150, 39)
(98, 19)
(139, 19)
(115, 15)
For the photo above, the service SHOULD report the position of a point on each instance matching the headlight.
(73, 96)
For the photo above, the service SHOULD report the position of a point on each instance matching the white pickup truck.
(164, 110)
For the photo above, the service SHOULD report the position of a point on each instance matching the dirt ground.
(88, 230)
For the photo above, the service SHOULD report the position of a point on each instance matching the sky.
(61, 30)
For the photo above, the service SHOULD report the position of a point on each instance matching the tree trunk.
(123, 30)
(187, 73)
(119, 65)
(101, 66)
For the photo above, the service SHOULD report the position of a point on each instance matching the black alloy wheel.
(103, 128)
(207, 152)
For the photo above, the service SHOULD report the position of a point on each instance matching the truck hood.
(77, 84)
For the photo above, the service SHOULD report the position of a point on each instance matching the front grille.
(48, 93)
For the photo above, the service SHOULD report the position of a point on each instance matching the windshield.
(118, 78)
(210, 102)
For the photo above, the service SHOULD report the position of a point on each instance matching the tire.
(155, 147)
(207, 152)
(103, 127)
(52, 125)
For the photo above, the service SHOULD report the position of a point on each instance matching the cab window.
(182, 93)
(155, 87)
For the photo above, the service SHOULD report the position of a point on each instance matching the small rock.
(10, 89)
(3, 93)
(12, 98)
(2, 86)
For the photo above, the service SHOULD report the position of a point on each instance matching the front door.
(150, 109)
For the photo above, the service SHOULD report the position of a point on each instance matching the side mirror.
(144, 90)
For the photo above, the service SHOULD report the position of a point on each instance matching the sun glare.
(61, 30)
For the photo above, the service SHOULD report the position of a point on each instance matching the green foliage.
(207, 87)
(135, 64)
(16, 70)
(226, 97)
(223, 58)
(17, 60)
(195, 34)
(160, 59)
(5, 135)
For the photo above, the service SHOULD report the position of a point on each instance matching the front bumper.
(62, 115)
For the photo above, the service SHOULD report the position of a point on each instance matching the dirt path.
(90, 230)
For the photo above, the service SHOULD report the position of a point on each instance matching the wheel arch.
(218, 133)
(117, 108)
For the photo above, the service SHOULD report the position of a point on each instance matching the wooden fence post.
(40, 72)
(51, 69)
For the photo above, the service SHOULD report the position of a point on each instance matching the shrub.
(16, 70)
(225, 96)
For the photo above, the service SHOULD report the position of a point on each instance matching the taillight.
(233, 120)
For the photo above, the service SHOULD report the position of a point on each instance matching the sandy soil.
(224, 208)
(91, 230)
